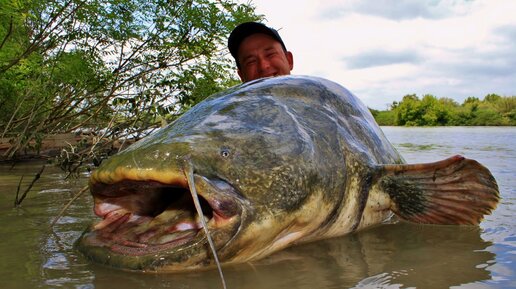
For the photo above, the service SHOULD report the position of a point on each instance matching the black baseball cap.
(246, 29)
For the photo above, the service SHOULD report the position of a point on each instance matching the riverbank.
(493, 110)
(52, 146)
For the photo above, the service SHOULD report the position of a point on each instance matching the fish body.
(274, 162)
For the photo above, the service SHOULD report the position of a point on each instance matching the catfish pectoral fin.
(453, 191)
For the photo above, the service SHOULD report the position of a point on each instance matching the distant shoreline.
(493, 110)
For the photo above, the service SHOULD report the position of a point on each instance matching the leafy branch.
(115, 70)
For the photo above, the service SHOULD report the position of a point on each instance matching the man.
(259, 52)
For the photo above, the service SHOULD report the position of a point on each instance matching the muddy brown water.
(387, 256)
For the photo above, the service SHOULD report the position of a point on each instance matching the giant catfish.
(274, 162)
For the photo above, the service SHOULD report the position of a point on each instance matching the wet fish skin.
(280, 161)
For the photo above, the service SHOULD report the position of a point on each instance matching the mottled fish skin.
(288, 159)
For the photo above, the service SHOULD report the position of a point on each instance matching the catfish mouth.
(141, 218)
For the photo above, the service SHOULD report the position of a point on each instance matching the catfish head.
(260, 178)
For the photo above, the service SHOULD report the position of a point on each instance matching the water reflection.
(389, 256)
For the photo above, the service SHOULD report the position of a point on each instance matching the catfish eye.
(224, 153)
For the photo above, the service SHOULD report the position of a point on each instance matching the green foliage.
(409, 111)
(492, 98)
(116, 67)
(506, 105)
(488, 117)
(386, 118)
(493, 110)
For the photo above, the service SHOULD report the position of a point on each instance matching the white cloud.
(382, 51)
(381, 58)
(395, 10)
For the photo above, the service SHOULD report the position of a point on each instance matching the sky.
(382, 50)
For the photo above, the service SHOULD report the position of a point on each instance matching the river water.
(33, 255)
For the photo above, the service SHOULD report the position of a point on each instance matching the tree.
(492, 98)
(409, 111)
(428, 111)
(119, 68)
(436, 111)
(470, 100)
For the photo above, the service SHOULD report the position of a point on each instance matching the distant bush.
(493, 110)
(385, 117)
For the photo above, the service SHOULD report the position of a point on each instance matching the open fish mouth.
(146, 217)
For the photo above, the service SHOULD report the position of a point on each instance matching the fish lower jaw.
(125, 232)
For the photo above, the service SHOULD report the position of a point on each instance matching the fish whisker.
(195, 197)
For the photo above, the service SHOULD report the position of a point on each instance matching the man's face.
(260, 56)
